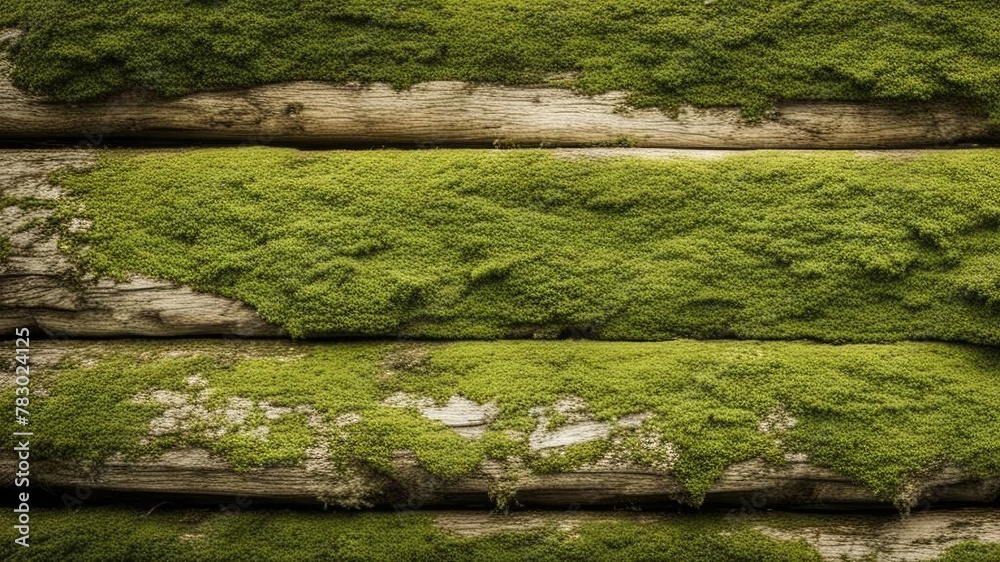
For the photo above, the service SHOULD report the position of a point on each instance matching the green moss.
(880, 414)
(93, 415)
(727, 52)
(104, 534)
(972, 551)
(487, 244)
(5, 249)
(119, 534)
(12, 12)
(28, 203)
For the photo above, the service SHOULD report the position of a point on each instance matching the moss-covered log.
(163, 534)
(663, 54)
(543, 423)
(198, 477)
(832, 246)
(455, 113)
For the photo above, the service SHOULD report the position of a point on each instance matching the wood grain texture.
(194, 473)
(463, 114)
(880, 538)
(42, 288)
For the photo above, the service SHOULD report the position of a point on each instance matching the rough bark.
(462, 114)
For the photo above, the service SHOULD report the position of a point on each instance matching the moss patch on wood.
(487, 244)
(665, 53)
(880, 414)
(122, 534)
(5, 249)
(103, 534)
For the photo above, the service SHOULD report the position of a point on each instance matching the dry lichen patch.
(641, 450)
(565, 423)
(651, 153)
(562, 424)
(403, 358)
(191, 418)
(777, 420)
(475, 524)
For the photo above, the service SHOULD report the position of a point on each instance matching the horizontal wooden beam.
(195, 474)
(462, 114)
(42, 287)
(923, 536)
(612, 479)
(180, 534)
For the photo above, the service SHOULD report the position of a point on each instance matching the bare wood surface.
(462, 114)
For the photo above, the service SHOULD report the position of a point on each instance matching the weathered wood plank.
(197, 474)
(41, 287)
(612, 479)
(462, 114)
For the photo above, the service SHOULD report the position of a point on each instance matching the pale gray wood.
(753, 483)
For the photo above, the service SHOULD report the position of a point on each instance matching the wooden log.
(923, 536)
(41, 287)
(196, 475)
(462, 114)
(183, 534)
(611, 480)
